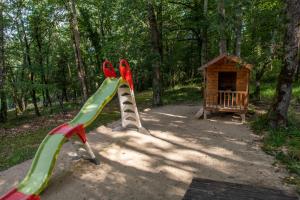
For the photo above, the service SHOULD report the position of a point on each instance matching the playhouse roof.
(223, 59)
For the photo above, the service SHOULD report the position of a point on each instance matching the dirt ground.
(161, 165)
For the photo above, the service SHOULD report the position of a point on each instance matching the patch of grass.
(260, 124)
(180, 94)
(19, 148)
(104, 118)
(29, 115)
(283, 143)
(144, 99)
(268, 91)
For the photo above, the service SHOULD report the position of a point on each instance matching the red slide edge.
(14, 194)
(126, 72)
(69, 131)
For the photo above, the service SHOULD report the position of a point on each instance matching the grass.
(178, 94)
(19, 148)
(268, 91)
(183, 94)
(15, 149)
(29, 115)
(283, 144)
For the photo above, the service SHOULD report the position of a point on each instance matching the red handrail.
(126, 72)
(108, 69)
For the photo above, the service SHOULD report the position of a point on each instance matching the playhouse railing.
(227, 100)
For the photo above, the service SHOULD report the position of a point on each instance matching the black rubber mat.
(203, 189)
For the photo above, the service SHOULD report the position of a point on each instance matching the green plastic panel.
(42, 165)
(94, 105)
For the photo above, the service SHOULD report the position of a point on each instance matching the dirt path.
(161, 166)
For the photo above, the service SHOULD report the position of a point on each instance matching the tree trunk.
(222, 27)
(76, 40)
(278, 114)
(238, 30)
(298, 69)
(157, 51)
(28, 60)
(3, 105)
(3, 110)
(33, 95)
(63, 74)
(204, 44)
(46, 95)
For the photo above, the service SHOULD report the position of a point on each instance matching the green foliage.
(260, 124)
(268, 89)
(120, 29)
(283, 143)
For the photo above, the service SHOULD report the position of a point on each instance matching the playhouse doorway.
(226, 87)
(227, 81)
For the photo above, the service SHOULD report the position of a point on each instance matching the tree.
(158, 55)
(238, 29)
(38, 31)
(204, 50)
(3, 105)
(28, 63)
(279, 112)
(222, 27)
(76, 43)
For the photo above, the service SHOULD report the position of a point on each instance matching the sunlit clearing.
(171, 115)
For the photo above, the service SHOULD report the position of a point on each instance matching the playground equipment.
(43, 163)
(226, 81)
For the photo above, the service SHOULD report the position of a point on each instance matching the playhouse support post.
(204, 114)
(243, 116)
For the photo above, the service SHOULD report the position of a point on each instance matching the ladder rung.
(127, 107)
(123, 90)
(128, 114)
(129, 122)
(125, 98)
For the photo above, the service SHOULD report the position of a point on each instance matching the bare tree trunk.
(278, 114)
(76, 39)
(28, 60)
(238, 30)
(298, 69)
(157, 51)
(1, 46)
(204, 44)
(222, 27)
(46, 95)
(3, 105)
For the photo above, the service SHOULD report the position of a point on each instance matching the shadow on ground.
(162, 165)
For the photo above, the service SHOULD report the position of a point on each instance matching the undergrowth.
(283, 144)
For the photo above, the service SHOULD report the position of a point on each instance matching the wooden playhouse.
(226, 85)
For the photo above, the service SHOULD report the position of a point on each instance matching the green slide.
(94, 105)
(43, 163)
